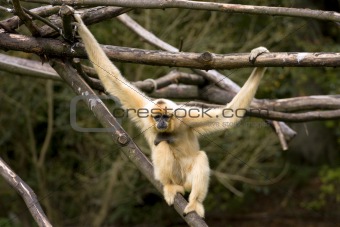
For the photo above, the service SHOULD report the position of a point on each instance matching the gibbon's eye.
(157, 117)
(166, 117)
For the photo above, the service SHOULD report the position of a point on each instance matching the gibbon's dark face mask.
(162, 121)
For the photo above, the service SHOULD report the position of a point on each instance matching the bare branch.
(145, 34)
(27, 67)
(189, 91)
(14, 22)
(174, 77)
(45, 21)
(50, 124)
(193, 92)
(66, 13)
(280, 116)
(130, 149)
(282, 139)
(315, 102)
(302, 117)
(43, 46)
(90, 16)
(25, 18)
(26, 193)
(199, 5)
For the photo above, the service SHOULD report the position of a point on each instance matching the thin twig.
(282, 139)
(45, 21)
(50, 123)
(25, 18)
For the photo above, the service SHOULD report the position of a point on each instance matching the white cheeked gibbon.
(178, 162)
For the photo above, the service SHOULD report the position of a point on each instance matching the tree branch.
(130, 149)
(199, 5)
(14, 22)
(25, 18)
(26, 193)
(26, 67)
(51, 47)
(90, 16)
(66, 13)
(193, 92)
(167, 88)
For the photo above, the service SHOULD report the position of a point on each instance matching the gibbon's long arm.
(114, 82)
(223, 118)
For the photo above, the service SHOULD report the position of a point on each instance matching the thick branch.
(66, 13)
(315, 102)
(193, 92)
(27, 67)
(44, 46)
(211, 94)
(174, 77)
(90, 16)
(26, 193)
(118, 134)
(199, 5)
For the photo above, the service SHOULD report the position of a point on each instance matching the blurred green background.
(84, 179)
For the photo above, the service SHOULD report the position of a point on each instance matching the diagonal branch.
(25, 18)
(14, 22)
(129, 148)
(26, 193)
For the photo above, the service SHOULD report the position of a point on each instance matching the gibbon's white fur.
(179, 164)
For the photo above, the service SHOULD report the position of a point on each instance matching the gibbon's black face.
(162, 121)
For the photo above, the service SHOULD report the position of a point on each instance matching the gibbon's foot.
(257, 52)
(170, 191)
(194, 206)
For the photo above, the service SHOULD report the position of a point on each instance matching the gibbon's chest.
(181, 144)
(167, 137)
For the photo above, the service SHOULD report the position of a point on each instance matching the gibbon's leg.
(166, 170)
(170, 191)
(199, 179)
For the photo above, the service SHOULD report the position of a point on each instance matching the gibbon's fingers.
(113, 81)
(254, 53)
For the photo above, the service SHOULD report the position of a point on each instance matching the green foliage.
(328, 190)
(5, 222)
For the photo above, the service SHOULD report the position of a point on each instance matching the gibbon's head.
(162, 115)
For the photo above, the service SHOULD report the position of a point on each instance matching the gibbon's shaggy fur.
(179, 164)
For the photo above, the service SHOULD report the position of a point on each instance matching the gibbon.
(172, 131)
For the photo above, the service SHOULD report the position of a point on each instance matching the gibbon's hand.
(254, 53)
